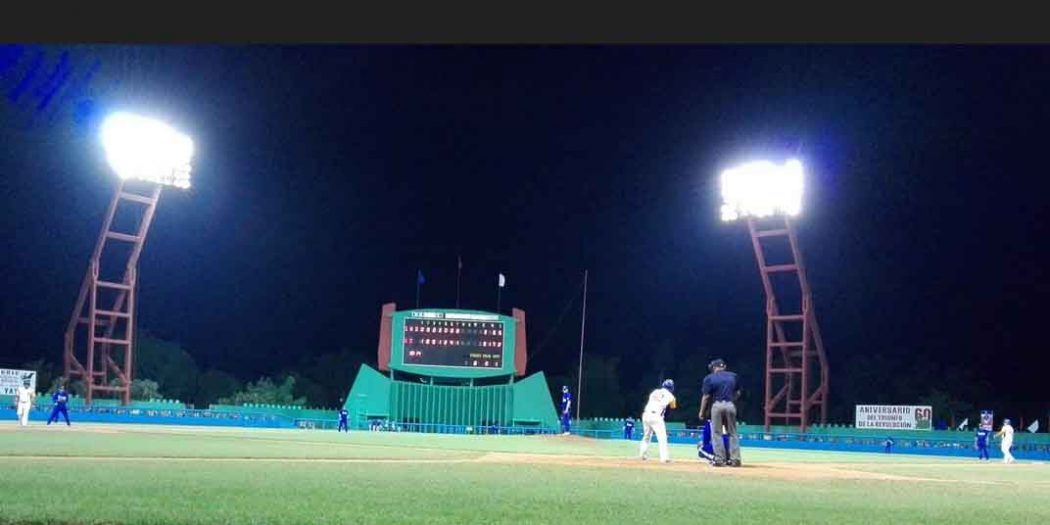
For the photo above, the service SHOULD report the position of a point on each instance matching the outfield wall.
(125, 415)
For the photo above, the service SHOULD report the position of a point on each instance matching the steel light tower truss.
(796, 364)
(146, 154)
(99, 338)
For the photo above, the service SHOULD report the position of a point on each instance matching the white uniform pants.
(654, 424)
(1007, 456)
(23, 413)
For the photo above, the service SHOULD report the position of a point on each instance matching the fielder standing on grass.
(653, 420)
(343, 415)
(721, 385)
(980, 442)
(59, 398)
(1007, 435)
(628, 427)
(24, 403)
(566, 404)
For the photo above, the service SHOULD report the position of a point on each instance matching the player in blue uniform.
(980, 442)
(59, 398)
(888, 444)
(566, 403)
(706, 448)
(342, 420)
(628, 427)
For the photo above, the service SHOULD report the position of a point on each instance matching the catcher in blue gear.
(705, 449)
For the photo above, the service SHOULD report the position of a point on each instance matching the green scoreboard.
(454, 343)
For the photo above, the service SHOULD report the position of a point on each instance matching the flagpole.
(579, 373)
(499, 295)
(418, 273)
(459, 273)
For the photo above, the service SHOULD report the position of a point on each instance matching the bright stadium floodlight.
(762, 189)
(145, 149)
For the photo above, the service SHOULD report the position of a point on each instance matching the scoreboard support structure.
(452, 368)
(796, 380)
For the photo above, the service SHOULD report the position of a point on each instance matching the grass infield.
(154, 474)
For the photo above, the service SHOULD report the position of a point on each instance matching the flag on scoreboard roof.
(502, 281)
(1034, 427)
(419, 277)
(964, 424)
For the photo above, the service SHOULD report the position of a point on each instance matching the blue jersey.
(60, 398)
(982, 437)
(566, 402)
(342, 415)
(628, 424)
(705, 439)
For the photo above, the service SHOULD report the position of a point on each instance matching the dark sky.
(325, 176)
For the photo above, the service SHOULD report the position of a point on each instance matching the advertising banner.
(894, 417)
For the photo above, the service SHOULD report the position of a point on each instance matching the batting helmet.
(668, 384)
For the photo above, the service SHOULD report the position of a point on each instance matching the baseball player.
(653, 419)
(628, 427)
(705, 448)
(1007, 435)
(343, 414)
(59, 398)
(888, 444)
(980, 442)
(566, 403)
(23, 403)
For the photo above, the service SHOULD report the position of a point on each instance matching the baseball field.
(153, 474)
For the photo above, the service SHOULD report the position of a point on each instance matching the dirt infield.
(774, 471)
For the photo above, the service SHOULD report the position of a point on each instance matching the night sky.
(326, 176)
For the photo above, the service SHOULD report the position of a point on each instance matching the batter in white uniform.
(653, 419)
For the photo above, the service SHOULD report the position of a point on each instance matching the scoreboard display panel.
(452, 343)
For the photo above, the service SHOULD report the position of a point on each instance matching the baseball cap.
(717, 363)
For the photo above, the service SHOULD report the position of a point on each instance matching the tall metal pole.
(459, 273)
(418, 284)
(579, 372)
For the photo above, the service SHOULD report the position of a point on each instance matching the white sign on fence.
(895, 417)
(10, 380)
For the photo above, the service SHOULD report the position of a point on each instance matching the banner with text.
(895, 417)
(10, 380)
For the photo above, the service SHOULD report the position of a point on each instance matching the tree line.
(612, 385)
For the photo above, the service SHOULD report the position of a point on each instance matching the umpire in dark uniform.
(720, 391)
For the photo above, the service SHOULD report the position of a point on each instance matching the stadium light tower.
(769, 196)
(146, 155)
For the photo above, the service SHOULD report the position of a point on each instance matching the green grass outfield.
(153, 474)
